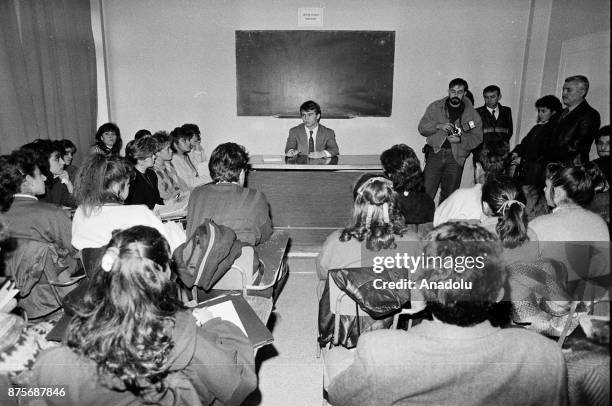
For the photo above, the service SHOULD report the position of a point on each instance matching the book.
(233, 305)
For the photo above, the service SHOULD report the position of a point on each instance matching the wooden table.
(309, 198)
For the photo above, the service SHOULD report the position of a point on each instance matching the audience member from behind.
(569, 188)
(185, 168)
(171, 187)
(226, 201)
(311, 138)
(602, 142)
(453, 129)
(132, 342)
(68, 154)
(141, 133)
(570, 138)
(504, 209)
(108, 140)
(143, 187)
(529, 154)
(466, 203)
(102, 186)
(36, 225)
(601, 200)
(59, 188)
(459, 355)
(376, 226)
(403, 167)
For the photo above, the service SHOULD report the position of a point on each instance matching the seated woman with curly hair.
(402, 166)
(375, 231)
(376, 227)
(132, 342)
(102, 186)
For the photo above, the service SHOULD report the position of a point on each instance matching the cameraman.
(453, 129)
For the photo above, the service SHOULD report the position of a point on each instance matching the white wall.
(171, 62)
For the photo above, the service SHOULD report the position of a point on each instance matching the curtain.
(47, 73)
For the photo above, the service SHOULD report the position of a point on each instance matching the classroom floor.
(289, 373)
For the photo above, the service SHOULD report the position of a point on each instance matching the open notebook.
(235, 309)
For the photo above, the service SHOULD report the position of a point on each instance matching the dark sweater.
(244, 210)
(143, 189)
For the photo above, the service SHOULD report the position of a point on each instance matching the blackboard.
(349, 73)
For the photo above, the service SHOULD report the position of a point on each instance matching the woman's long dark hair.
(574, 179)
(109, 127)
(126, 319)
(403, 167)
(507, 202)
(375, 215)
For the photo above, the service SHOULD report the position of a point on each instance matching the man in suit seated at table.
(310, 138)
(459, 357)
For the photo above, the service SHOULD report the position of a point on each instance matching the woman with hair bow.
(131, 341)
(504, 214)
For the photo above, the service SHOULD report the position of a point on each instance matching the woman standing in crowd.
(102, 186)
(527, 156)
(132, 342)
(108, 140)
(402, 166)
(143, 186)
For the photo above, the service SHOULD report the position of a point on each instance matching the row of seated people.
(461, 354)
(178, 164)
(31, 184)
(498, 204)
(131, 340)
(102, 187)
(528, 233)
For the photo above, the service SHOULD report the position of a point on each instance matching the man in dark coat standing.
(571, 137)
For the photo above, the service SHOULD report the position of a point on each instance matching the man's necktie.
(310, 143)
(564, 113)
(494, 114)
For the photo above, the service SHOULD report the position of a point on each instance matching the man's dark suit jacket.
(325, 140)
(496, 130)
(572, 136)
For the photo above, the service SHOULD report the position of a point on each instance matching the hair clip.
(385, 213)
(507, 204)
(371, 180)
(109, 258)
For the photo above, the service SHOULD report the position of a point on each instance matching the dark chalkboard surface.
(349, 73)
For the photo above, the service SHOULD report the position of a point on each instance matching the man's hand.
(448, 127)
(291, 153)
(317, 155)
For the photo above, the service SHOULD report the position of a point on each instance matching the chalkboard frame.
(349, 73)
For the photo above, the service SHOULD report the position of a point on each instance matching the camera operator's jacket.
(437, 113)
